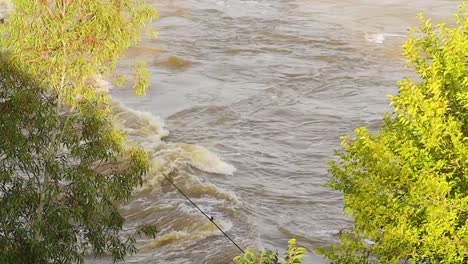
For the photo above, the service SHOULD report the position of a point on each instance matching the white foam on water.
(104, 86)
(148, 131)
(140, 127)
(175, 236)
(379, 38)
(169, 157)
(6, 6)
(203, 159)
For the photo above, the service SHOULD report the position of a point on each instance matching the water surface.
(266, 87)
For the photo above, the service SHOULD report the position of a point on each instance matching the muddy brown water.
(247, 103)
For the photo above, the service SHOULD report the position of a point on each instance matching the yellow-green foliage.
(293, 255)
(70, 41)
(407, 186)
(63, 164)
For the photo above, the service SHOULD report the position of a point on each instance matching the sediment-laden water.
(247, 103)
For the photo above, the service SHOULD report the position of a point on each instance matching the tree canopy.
(407, 185)
(64, 167)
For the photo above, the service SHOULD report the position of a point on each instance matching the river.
(247, 103)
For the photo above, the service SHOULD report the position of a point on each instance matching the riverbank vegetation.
(406, 186)
(63, 165)
(293, 255)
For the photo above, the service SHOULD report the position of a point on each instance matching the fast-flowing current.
(247, 103)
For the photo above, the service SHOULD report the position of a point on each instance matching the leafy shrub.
(407, 185)
(293, 255)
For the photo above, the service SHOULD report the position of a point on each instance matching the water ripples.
(269, 86)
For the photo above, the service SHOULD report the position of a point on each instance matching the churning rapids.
(255, 94)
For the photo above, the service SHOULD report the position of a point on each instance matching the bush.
(407, 185)
(64, 166)
(293, 255)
